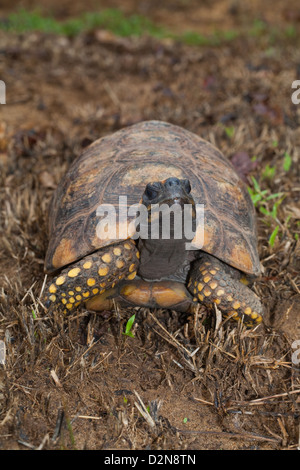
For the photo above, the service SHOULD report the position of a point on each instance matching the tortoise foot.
(213, 282)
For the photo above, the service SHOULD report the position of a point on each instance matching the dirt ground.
(182, 382)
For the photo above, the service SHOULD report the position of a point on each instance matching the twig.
(170, 339)
(143, 410)
(246, 435)
(278, 395)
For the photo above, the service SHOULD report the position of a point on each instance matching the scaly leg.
(212, 281)
(92, 275)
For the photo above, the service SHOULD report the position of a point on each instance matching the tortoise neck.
(163, 259)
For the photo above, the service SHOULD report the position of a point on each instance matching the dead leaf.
(47, 180)
(243, 164)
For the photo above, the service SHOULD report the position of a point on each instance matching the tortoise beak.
(170, 191)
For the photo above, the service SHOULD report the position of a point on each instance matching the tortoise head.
(170, 191)
(168, 198)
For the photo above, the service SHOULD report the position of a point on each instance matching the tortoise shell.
(122, 163)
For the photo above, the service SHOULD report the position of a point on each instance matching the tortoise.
(152, 163)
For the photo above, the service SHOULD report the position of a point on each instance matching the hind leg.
(92, 275)
(212, 281)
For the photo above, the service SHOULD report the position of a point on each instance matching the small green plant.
(290, 31)
(129, 326)
(273, 236)
(229, 131)
(287, 162)
(111, 19)
(33, 314)
(269, 172)
(258, 28)
(261, 199)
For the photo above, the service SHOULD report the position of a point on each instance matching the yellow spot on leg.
(64, 301)
(244, 280)
(60, 280)
(131, 276)
(91, 282)
(119, 263)
(233, 314)
(78, 297)
(95, 291)
(236, 305)
(206, 279)
(87, 265)
(117, 251)
(71, 293)
(74, 272)
(52, 298)
(86, 294)
(131, 268)
(52, 289)
(247, 311)
(200, 297)
(78, 289)
(69, 306)
(213, 284)
(200, 286)
(106, 258)
(103, 271)
(220, 292)
(206, 292)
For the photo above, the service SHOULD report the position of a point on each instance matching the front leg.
(94, 274)
(212, 281)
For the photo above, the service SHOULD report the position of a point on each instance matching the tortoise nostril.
(172, 182)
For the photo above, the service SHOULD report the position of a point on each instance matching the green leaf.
(269, 172)
(255, 184)
(273, 236)
(274, 196)
(287, 162)
(129, 325)
(264, 211)
(229, 131)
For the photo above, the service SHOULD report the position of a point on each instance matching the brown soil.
(77, 381)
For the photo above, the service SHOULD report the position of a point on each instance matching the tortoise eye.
(151, 191)
(187, 186)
